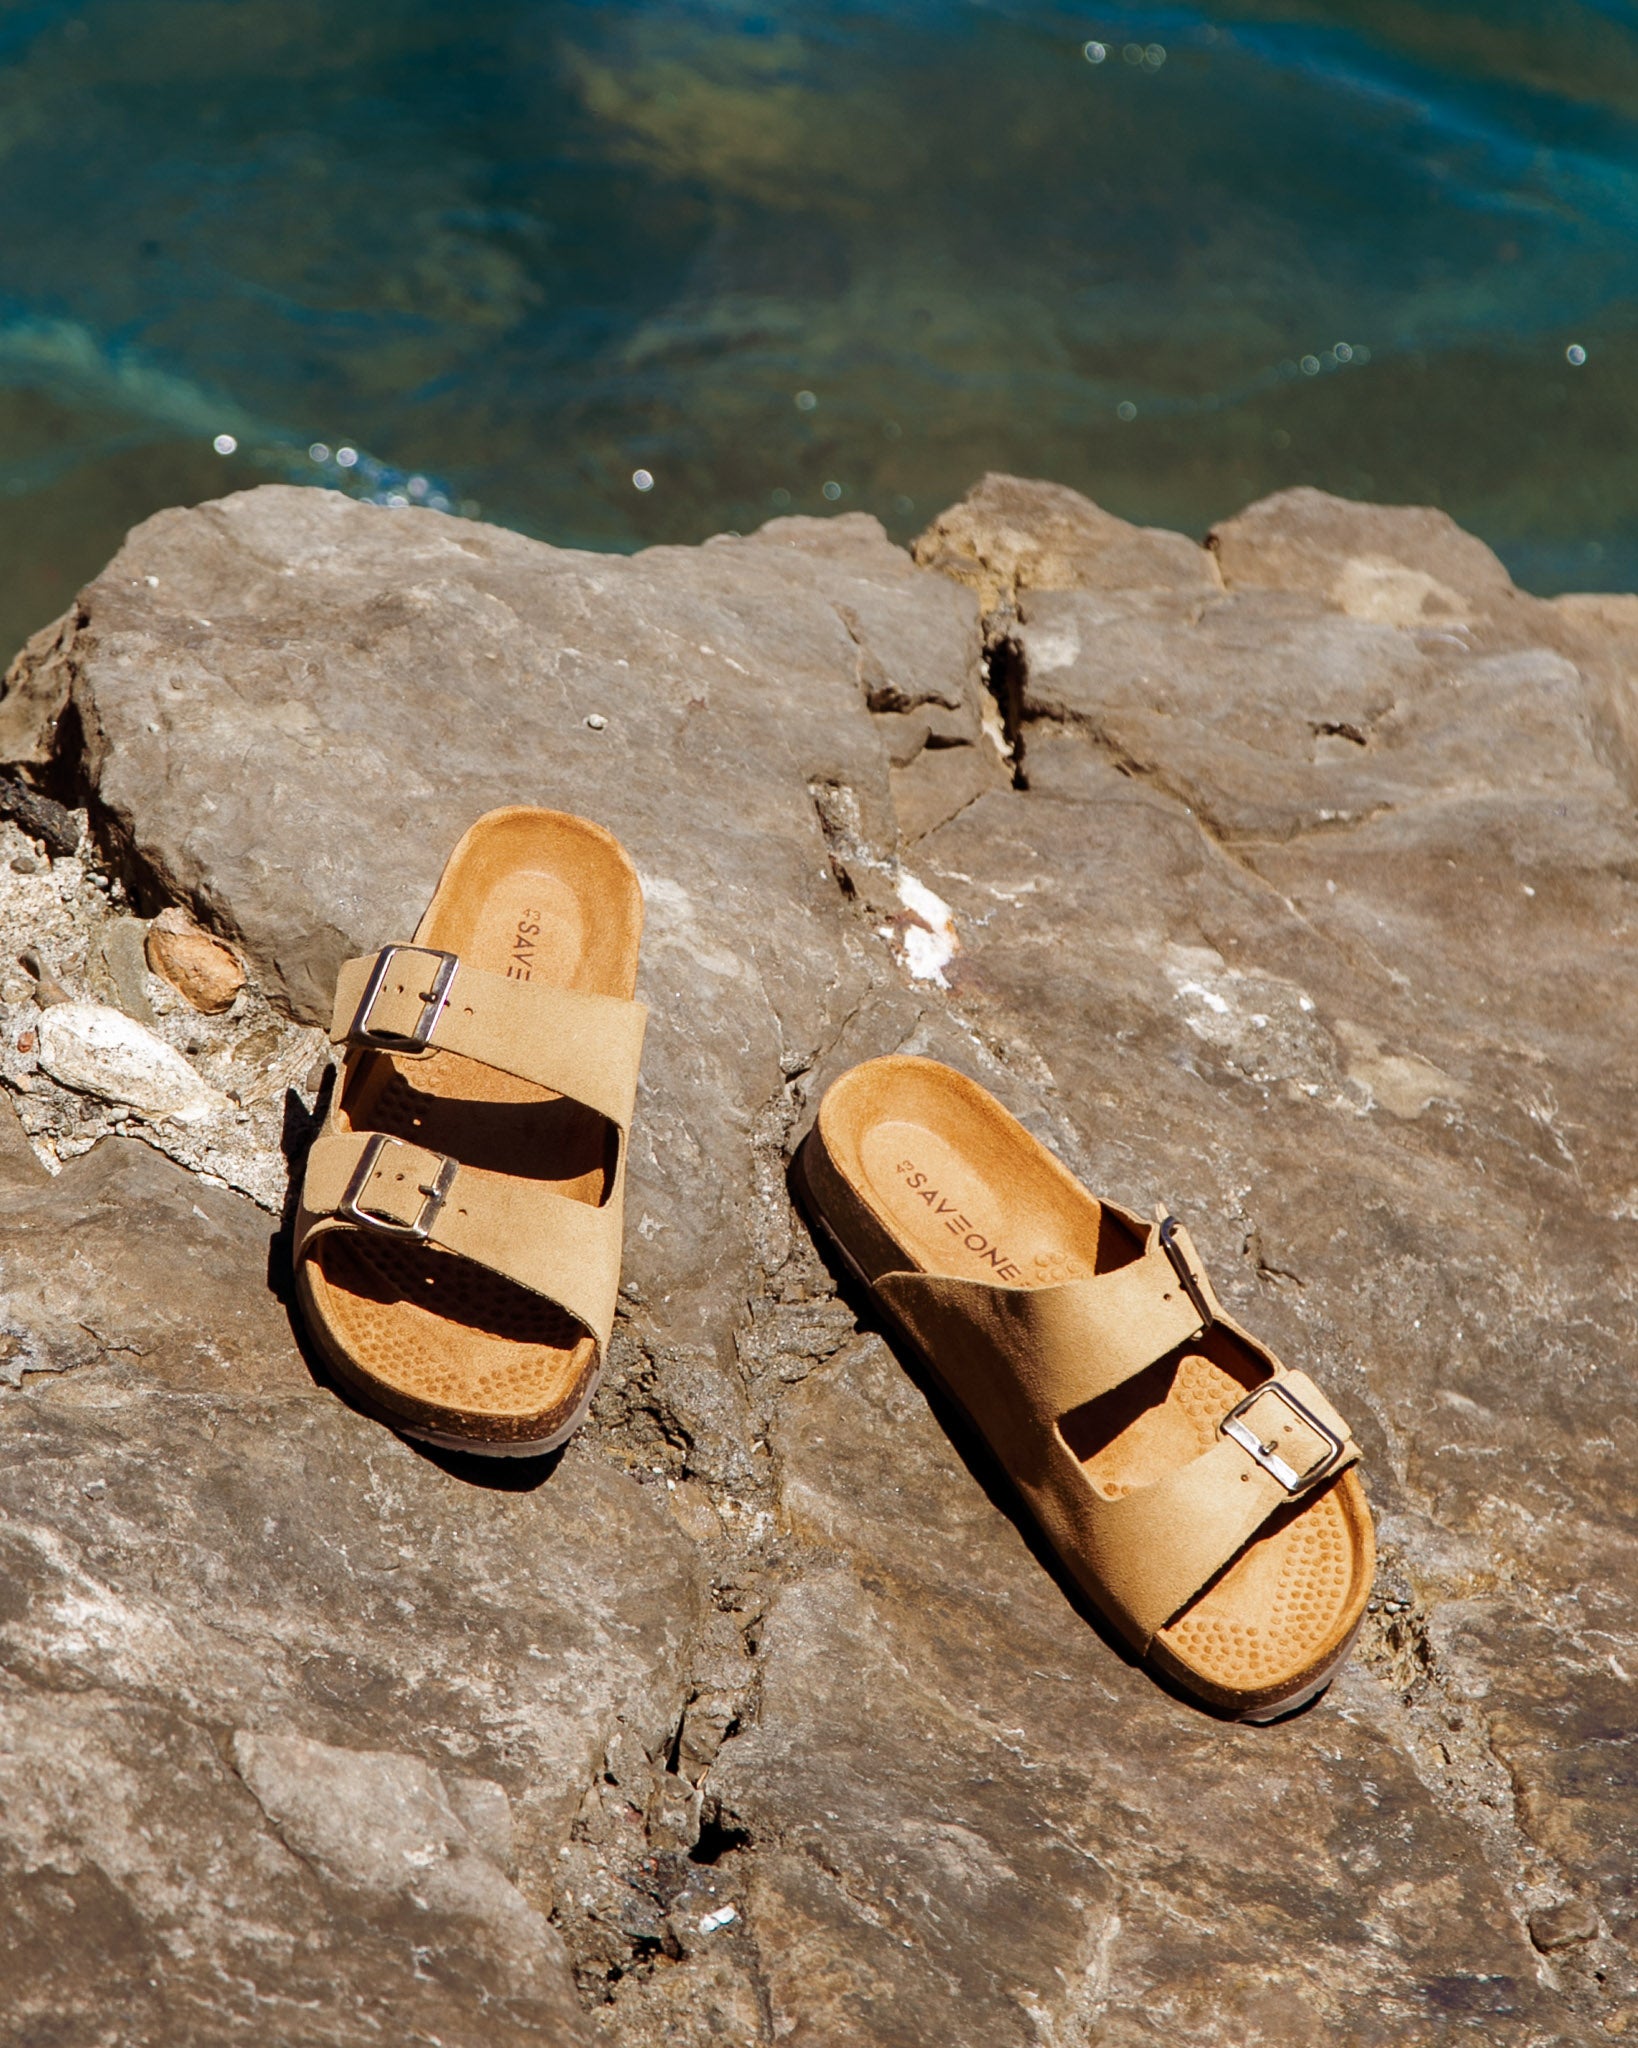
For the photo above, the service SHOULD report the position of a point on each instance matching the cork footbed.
(1267, 1631)
(449, 1348)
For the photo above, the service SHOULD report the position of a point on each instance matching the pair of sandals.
(458, 1238)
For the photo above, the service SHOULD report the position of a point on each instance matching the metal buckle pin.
(1185, 1273)
(434, 1196)
(432, 1001)
(1266, 1454)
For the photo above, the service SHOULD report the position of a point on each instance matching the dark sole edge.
(534, 1447)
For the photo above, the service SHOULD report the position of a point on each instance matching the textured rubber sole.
(1256, 1716)
(366, 1396)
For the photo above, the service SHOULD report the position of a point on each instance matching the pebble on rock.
(47, 988)
(198, 967)
(117, 970)
(1563, 1925)
(97, 1050)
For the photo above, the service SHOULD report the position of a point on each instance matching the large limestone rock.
(290, 713)
(276, 1693)
(1304, 902)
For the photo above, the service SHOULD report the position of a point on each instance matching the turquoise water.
(510, 255)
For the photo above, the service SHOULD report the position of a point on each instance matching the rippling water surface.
(511, 255)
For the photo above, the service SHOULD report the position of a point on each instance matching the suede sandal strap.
(413, 999)
(566, 1250)
(1159, 1545)
(1064, 1346)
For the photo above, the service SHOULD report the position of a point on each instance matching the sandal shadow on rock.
(458, 1238)
(1198, 1491)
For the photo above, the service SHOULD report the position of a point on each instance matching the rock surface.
(272, 1686)
(251, 1069)
(1303, 900)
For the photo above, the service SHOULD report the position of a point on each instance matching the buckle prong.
(434, 1195)
(1185, 1272)
(432, 1002)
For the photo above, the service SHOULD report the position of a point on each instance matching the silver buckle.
(433, 1000)
(435, 1196)
(1185, 1273)
(1266, 1455)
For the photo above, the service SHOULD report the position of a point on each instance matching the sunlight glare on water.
(615, 274)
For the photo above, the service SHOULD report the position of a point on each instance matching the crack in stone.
(1450, 1744)
(1005, 672)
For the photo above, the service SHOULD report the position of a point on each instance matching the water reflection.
(525, 256)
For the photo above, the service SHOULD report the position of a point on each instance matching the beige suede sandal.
(457, 1243)
(1195, 1488)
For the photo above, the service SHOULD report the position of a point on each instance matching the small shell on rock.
(98, 1050)
(198, 967)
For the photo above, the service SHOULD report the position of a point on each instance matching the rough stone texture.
(272, 1685)
(119, 968)
(1304, 902)
(33, 696)
(392, 681)
(100, 1051)
(1400, 565)
(69, 922)
(1563, 1926)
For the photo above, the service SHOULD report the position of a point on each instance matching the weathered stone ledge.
(1291, 878)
